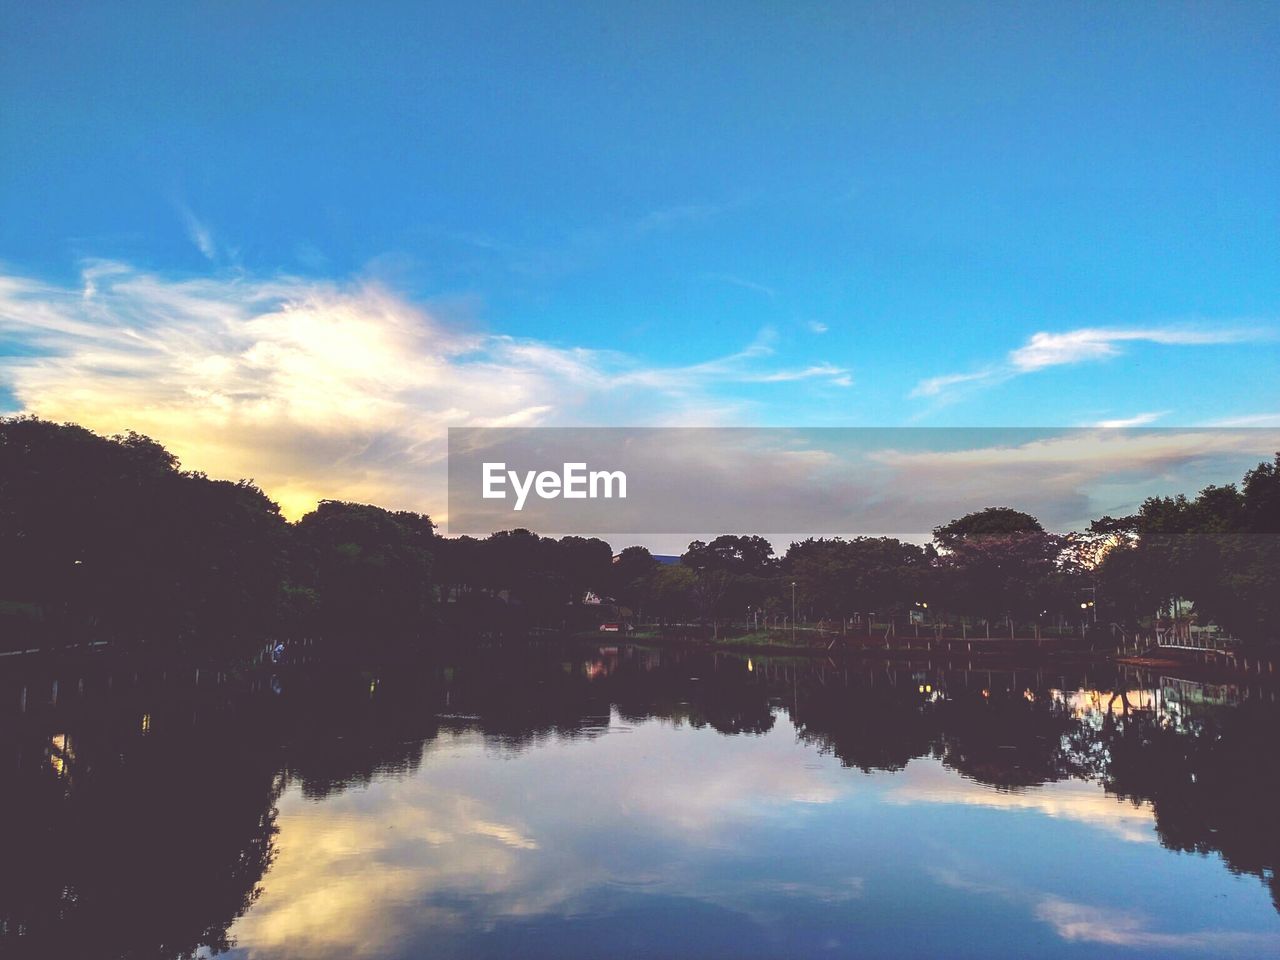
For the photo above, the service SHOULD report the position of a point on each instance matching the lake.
(574, 802)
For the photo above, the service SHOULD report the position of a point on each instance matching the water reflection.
(632, 802)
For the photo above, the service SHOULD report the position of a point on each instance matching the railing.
(1196, 641)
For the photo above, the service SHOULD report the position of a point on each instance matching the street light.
(793, 611)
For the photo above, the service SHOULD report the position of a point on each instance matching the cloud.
(837, 375)
(677, 215)
(1077, 451)
(751, 285)
(1249, 420)
(1044, 350)
(317, 389)
(817, 326)
(934, 386)
(320, 389)
(1137, 420)
(1075, 346)
(1064, 477)
(199, 233)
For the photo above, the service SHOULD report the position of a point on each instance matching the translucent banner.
(898, 481)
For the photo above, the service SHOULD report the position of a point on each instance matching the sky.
(297, 243)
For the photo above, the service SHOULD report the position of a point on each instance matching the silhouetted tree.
(107, 534)
(997, 562)
(838, 577)
(371, 567)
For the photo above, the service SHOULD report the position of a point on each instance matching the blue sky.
(799, 214)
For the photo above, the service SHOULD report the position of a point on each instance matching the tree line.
(108, 537)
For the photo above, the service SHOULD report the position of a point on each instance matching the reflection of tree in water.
(698, 690)
(522, 704)
(1005, 738)
(120, 843)
(339, 731)
(1213, 783)
(874, 726)
(141, 823)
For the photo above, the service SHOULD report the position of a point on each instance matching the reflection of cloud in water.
(469, 842)
(674, 824)
(1085, 923)
(926, 781)
(346, 868)
(710, 780)
(852, 888)
(1119, 928)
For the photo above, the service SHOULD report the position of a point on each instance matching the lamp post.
(1090, 607)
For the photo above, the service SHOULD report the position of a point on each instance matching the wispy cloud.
(324, 389)
(745, 284)
(817, 326)
(1249, 420)
(199, 233)
(828, 371)
(936, 386)
(1091, 343)
(678, 214)
(1137, 420)
(1087, 344)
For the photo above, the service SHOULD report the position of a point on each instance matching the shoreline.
(977, 652)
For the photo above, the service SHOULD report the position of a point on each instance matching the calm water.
(631, 803)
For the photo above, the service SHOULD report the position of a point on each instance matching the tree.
(997, 562)
(372, 567)
(990, 522)
(671, 592)
(1262, 498)
(742, 556)
(629, 576)
(839, 577)
(1217, 550)
(583, 565)
(733, 572)
(108, 534)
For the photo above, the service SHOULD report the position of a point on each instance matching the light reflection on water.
(612, 805)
